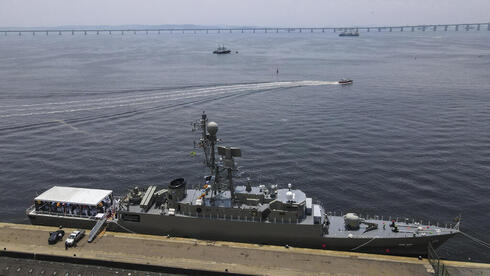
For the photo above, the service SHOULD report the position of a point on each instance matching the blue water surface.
(410, 138)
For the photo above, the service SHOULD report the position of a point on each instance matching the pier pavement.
(118, 253)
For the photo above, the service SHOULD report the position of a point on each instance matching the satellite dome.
(212, 128)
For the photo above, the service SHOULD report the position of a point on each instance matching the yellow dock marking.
(101, 233)
(318, 252)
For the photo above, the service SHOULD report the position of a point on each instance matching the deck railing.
(68, 214)
(241, 218)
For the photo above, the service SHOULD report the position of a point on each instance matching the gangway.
(96, 229)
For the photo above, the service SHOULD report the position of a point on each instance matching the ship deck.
(146, 253)
(337, 227)
(405, 229)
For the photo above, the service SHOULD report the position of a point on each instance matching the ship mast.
(212, 129)
(203, 142)
(208, 143)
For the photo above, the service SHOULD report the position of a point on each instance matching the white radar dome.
(212, 128)
(290, 196)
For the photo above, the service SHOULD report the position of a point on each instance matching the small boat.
(221, 50)
(351, 33)
(345, 81)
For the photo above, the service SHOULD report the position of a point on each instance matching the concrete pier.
(190, 256)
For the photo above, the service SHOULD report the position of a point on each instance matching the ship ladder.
(96, 229)
(102, 232)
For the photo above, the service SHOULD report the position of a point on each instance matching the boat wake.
(24, 114)
(145, 98)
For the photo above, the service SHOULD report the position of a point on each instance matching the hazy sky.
(37, 13)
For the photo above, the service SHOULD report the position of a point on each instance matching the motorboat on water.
(221, 50)
(349, 33)
(346, 81)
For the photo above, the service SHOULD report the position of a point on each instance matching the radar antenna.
(227, 154)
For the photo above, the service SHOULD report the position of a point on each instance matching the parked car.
(55, 236)
(74, 237)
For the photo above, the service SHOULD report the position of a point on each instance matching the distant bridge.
(413, 28)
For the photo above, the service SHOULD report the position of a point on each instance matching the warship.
(224, 208)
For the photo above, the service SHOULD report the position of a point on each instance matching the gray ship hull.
(295, 235)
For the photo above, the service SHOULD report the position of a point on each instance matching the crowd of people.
(74, 209)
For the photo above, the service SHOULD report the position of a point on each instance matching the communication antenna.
(203, 143)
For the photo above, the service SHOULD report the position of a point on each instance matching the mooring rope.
(475, 239)
(126, 228)
(355, 248)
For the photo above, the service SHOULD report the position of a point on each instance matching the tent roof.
(73, 195)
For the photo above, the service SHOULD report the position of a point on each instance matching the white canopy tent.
(71, 195)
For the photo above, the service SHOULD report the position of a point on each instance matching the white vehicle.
(74, 237)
